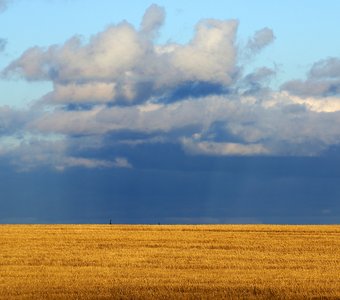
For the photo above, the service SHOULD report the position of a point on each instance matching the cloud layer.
(121, 89)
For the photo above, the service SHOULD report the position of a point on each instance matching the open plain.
(169, 262)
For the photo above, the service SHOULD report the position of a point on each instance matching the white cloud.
(329, 104)
(130, 61)
(93, 92)
(222, 149)
(28, 152)
(152, 21)
(211, 55)
(32, 152)
(122, 82)
(144, 118)
(106, 56)
(122, 162)
(280, 123)
(68, 162)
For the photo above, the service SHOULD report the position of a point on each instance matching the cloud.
(314, 88)
(3, 5)
(316, 104)
(211, 55)
(222, 149)
(29, 153)
(256, 82)
(3, 43)
(56, 153)
(92, 92)
(326, 68)
(129, 61)
(14, 120)
(120, 91)
(243, 120)
(260, 74)
(323, 80)
(153, 20)
(122, 162)
(106, 55)
(261, 39)
(67, 162)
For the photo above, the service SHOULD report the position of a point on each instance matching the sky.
(171, 112)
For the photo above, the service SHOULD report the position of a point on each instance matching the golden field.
(169, 262)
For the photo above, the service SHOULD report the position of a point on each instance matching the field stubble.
(169, 261)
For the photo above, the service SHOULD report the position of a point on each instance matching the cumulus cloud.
(28, 153)
(277, 125)
(211, 55)
(92, 92)
(14, 120)
(261, 39)
(153, 20)
(134, 66)
(257, 81)
(323, 80)
(106, 56)
(142, 118)
(120, 82)
(326, 68)
(317, 104)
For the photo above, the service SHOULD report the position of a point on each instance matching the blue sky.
(169, 111)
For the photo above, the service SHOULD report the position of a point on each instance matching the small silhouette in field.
(110, 222)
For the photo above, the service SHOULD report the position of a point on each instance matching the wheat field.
(169, 262)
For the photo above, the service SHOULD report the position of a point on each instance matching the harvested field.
(169, 261)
